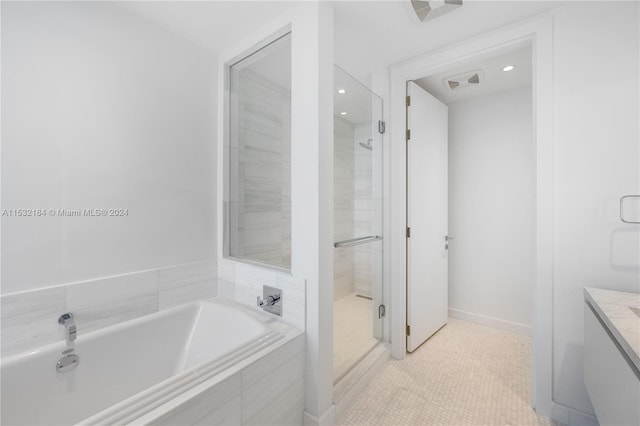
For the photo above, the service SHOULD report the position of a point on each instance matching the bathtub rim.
(95, 334)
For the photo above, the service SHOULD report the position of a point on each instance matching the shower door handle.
(357, 241)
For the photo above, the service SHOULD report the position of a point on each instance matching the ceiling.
(212, 25)
(492, 79)
(369, 35)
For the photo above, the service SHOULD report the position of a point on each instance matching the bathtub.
(186, 365)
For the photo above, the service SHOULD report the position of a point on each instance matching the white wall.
(102, 109)
(491, 209)
(597, 148)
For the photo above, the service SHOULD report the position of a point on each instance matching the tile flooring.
(353, 332)
(466, 374)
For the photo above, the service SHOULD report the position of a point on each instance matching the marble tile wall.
(343, 193)
(262, 163)
(363, 211)
(353, 210)
(30, 319)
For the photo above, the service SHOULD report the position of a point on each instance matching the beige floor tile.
(352, 332)
(466, 374)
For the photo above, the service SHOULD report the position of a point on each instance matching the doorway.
(471, 227)
(539, 32)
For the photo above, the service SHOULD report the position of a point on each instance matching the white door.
(427, 199)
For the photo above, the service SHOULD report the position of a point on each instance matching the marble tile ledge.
(620, 312)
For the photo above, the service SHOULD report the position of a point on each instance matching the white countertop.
(620, 312)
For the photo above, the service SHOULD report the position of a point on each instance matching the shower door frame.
(379, 292)
(539, 33)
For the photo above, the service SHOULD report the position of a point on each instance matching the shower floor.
(352, 332)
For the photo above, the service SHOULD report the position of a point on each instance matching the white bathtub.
(152, 369)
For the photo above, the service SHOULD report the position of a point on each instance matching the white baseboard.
(491, 321)
(570, 417)
(328, 418)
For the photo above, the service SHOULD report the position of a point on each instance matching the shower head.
(367, 145)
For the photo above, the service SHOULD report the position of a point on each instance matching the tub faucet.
(66, 320)
(271, 300)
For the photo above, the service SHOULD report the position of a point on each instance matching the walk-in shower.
(357, 221)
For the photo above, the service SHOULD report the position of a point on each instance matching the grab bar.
(357, 241)
(622, 209)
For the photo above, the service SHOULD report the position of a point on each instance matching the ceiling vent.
(427, 10)
(470, 78)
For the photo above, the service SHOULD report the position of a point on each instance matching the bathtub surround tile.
(259, 369)
(272, 387)
(271, 383)
(100, 303)
(227, 270)
(226, 289)
(186, 283)
(295, 315)
(217, 405)
(282, 411)
(30, 319)
(254, 276)
(294, 286)
(228, 415)
(243, 283)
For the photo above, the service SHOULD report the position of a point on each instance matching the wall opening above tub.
(258, 156)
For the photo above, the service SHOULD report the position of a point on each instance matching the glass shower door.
(357, 221)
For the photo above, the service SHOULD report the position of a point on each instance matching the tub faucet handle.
(268, 301)
(271, 300)
(66, 320)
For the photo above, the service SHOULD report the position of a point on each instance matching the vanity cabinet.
(611, 372)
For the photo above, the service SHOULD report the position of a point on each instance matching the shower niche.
(357, 221)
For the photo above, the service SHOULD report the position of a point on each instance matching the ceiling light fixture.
(508, 68)
(342, 91)
(432, 9)
(343, 113)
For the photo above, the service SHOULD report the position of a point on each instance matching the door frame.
(539, 32)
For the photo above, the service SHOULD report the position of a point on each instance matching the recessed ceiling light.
(343, 113)
(342, 91)
(508, 68)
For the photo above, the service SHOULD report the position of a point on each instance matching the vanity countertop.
(620, 312)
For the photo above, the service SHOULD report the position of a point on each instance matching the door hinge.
(408, 330)
(381, 126)
(382, 311)
(408, 101)
(408, 232)
(408, 134)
